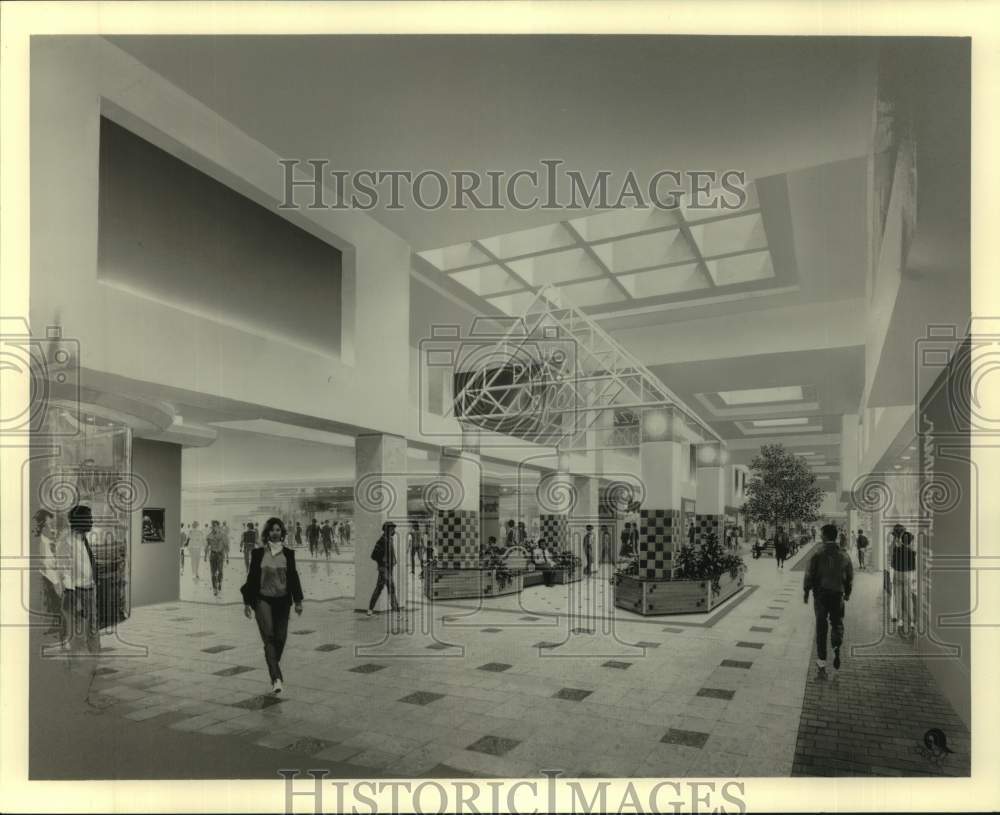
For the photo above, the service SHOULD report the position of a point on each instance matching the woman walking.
(272, 587)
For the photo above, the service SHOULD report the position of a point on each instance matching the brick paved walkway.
(870, 717)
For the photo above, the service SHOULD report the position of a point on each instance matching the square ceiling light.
(780, 422)
(623, 222)
(646, 251)
(529, 241)
(758, 396)
(557, 267)
(740, 234)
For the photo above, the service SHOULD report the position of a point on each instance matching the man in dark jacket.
(830, 577)
(385, 557)
(904, 563)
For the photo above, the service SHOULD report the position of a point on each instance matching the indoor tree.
(782, 488)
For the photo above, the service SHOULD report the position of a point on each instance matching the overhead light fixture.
(780, 422)
(756, 396)
(904, 458)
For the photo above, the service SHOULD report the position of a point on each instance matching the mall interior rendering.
(560, 407)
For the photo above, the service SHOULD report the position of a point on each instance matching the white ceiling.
(618, 103)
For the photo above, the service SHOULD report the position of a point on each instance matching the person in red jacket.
(272, 587)
(830, 577)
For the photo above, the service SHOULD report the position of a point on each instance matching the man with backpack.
(830, 577)
(385, 557)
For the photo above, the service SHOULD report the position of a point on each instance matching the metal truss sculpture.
(555, 377)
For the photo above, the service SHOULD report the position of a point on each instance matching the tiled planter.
(453, 584)
(650, 597)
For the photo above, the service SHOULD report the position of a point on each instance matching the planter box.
(454, 584)
(650, 597)
(568, 575)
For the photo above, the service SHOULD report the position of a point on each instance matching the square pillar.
(454, 499)
(379, 496)
(711, 496)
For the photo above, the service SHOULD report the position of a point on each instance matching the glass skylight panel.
(559, 267)
(454, 257)
(730, 235)
(645, 251)
(623, 222)
(487, 280)
(528, 241)
(660, 282)
(755, 396)
(595, 293)
(513, 304)
(741, 268)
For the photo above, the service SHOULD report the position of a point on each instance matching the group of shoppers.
(325, 537)
(69, 578)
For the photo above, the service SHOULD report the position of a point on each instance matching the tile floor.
(560, 684)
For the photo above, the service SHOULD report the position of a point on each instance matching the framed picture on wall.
(153, 524)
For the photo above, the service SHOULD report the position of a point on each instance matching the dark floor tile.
(614, 663)
(105, 671)
(770, 617)
(671, 630)
(544, 644)
(716, 693)
(309, 746)
(218, 649)
(648, 644)
(422, 697)
(493, 745)
(445, 771)
(170, 608)
(583, 631)
(181, 619)
(258, 702)
(572, 694)
(687, 738)
(197, 634)
(367, 668)
(735, 663)
(530, 619)
(763, 629)
(438, 646)
(495, 667)
(234, 670)
(303, 631)
(742, 644)
(329, 646)
(491, 630)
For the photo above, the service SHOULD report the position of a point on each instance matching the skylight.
(780, 422)
(756, 396)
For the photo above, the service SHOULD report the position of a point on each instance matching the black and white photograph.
(152, 525)
(608, 411)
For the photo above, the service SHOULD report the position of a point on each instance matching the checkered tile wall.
(706, 525)
(456, 543)
(659, 532)
(554, 528)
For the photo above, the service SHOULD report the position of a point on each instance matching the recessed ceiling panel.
(454, 257)
(756, 396)
(739, 234)
(528, 241)
(624, 222)
(513, 304)
(659, 282)
(596, 292)
(487, 280)
(741, 268)
(572, 265)
(645, 251)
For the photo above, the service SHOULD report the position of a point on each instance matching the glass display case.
(84, 459)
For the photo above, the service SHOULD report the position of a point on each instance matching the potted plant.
(708, 561)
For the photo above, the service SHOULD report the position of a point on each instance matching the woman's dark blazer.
(251, 589)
